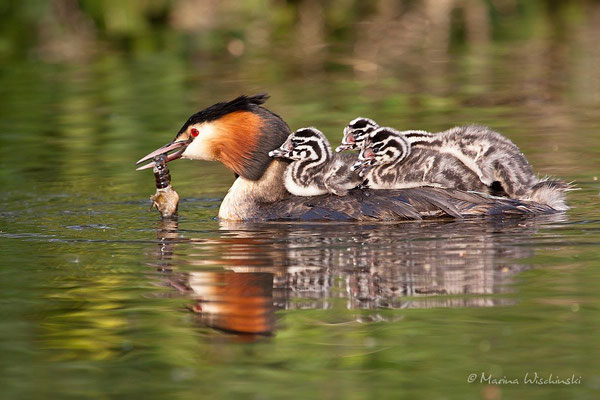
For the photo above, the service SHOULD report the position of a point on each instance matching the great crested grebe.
(241, 133)
(390, 163)
(498, 162)
(315, 169)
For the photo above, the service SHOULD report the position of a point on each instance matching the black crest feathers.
(218, 110)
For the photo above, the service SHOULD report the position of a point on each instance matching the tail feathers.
(551, 192)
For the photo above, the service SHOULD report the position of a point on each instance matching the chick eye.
(194, 132)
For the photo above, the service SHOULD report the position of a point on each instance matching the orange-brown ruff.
(237, 139)
(241, 133)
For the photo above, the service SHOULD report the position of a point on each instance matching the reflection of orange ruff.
(237, 302)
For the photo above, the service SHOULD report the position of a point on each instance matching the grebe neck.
(243, 199)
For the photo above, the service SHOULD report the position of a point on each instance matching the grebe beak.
(168, 149)
(283, 151)
(357, 165)
(366, 158)
(348, 141)
(343, 147)
(362, 164)
(279, 153)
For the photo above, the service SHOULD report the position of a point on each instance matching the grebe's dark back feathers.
(401, 204)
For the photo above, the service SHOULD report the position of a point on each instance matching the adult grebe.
(241, 133)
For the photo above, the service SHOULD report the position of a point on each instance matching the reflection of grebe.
(235, 302)
(241, 133)
(379, 268)
(225, 300)
(236, 280)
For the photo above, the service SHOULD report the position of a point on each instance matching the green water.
(100, 299)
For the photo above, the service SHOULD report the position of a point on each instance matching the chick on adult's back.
(387, 161)
(315, 169)
(497, 161)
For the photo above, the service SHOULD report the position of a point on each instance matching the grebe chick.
(315, 169)
(359, 129)
(355, 133)
(495, 159)
(387, 161)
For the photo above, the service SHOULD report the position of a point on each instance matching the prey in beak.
(172, 151)
(343, 147)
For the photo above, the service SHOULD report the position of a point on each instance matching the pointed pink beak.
(179, 147)
(283, 151)
(366, 158)
(348, 141)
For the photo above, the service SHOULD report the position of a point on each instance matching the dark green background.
(88, 87)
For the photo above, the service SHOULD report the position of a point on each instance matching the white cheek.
(200, 149)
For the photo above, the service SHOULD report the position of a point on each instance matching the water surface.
(99, 298)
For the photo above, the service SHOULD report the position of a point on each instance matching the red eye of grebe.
(194, 132)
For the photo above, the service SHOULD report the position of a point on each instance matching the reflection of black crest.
(216, 111)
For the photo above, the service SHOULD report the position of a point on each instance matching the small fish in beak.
(166, 198)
